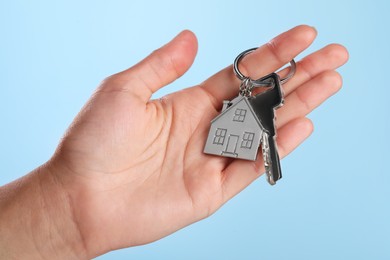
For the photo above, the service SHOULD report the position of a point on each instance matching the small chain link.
(246, 87)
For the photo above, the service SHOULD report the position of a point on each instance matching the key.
(264, 105)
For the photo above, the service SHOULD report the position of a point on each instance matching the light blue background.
(333, 202)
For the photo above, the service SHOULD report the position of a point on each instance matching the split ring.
(259, 82)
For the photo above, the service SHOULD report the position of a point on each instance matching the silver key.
(265, 105)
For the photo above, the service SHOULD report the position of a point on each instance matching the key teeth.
(271, 181)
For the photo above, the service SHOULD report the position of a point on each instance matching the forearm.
(36, 220)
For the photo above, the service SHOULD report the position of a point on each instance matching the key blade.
(271, 159)
(267, 158)
(276, 171)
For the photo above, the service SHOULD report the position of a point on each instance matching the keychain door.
(232, 145)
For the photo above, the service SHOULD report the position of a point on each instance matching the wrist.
(36, 219)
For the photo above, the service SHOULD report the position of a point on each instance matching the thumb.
(161, 67)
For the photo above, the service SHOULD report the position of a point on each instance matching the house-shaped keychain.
(238, 131)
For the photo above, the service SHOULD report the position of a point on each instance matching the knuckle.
(114, 83)
(274, 48)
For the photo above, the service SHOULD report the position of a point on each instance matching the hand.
(134, 168)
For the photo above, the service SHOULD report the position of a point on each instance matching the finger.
(328, 58)
(308, 96)
(239, 174)
(264, 60)
(160, 68)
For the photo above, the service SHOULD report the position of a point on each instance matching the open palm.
(134, 168)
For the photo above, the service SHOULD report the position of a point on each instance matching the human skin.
(131, 170)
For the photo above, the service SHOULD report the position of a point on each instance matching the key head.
(265, 103)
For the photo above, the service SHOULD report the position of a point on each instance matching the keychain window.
(247, 140)
(239, 115)
(219, 137)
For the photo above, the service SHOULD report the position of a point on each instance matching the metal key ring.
(259, 82)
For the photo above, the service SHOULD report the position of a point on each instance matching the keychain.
(248, 121)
